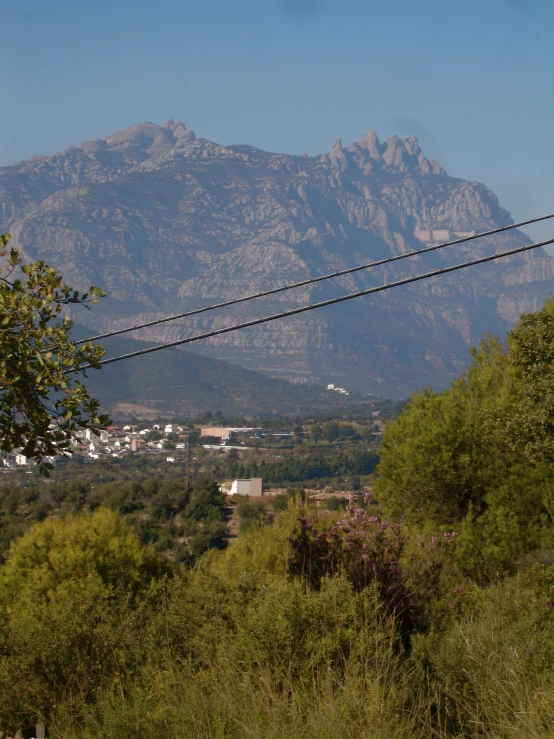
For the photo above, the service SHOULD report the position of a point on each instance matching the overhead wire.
(314, 306)
(313, 280)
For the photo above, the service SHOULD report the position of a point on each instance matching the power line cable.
(313, 280)
(332, 301)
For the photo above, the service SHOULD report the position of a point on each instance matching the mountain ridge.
(167, 222)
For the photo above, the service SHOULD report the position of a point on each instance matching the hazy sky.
(473, 79)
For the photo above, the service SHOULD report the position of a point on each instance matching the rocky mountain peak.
(151, 139)
(395, 154)
(370, 142)
(166, 222)
(337, 156)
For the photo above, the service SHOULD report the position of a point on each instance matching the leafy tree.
(482, 451)
(209, 536)
(252, 513)
(527, 423)
(206, 501)
(78, 548)
(331, 430)
(489, 545)
(280, 503)
(437, 457)
(309, 467)
(171, 497)
(71, 596)
(42, 403)
(316, 432)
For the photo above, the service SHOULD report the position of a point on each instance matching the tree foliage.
(42, 401)
(312, 466)
(72, 592)
(481, 452)
(527, 423)
(435, 459)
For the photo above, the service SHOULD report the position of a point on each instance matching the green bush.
(280, 503)
(251, 514)
(490, 673)
(209, 536)
(73, 595)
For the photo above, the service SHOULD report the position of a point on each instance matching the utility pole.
(187, 461)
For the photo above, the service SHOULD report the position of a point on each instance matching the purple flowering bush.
(371, 550)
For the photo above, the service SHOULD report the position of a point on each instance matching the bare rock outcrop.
(166, 221)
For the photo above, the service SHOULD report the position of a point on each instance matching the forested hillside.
(176, 382)
(423, 609)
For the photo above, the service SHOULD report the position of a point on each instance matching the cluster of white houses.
(119, 441)
(113, 442)
(332, 386)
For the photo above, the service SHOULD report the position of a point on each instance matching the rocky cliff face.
(165, 222)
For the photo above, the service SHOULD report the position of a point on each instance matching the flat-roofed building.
(251, 487)
(217, 432)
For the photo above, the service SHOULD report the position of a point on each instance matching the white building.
(330, 386)
(101, 436)
(429, 236)
(250, 487)
(20, 460)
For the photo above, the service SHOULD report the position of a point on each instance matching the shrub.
(210, 536)
(73, 593)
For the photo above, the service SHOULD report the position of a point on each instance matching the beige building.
(225, 432)
(443, 234)
(251, 487)
(219, 432)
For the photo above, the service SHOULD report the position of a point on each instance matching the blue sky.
(473, 79)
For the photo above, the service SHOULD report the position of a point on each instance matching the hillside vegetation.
(423, 610)
(180, 382)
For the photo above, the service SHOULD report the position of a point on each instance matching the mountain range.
(167, 222)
